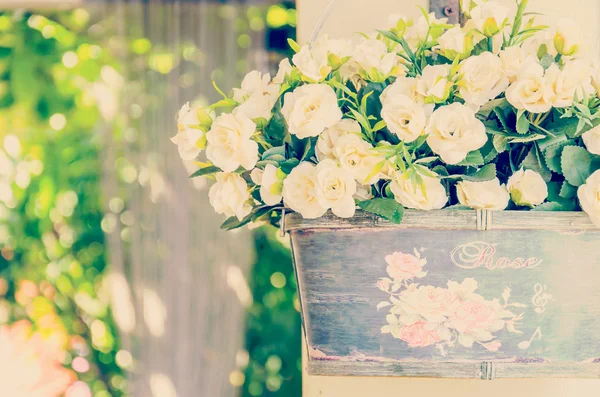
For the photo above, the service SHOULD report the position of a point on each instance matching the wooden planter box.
(468, 294)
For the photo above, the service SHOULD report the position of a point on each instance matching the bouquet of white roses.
(497, 113)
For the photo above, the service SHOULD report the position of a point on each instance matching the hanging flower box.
(459, 294)
(440, 120)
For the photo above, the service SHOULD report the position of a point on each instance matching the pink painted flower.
(28, 367)
(403, 266)
(428, 302)
(476, 320)
(418, 335)
(492, 346)
(384, 284)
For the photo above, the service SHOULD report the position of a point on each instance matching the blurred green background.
(53, 249)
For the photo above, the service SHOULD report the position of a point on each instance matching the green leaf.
(553, 154)
(474, 158)
(263, 163)
(235, 223)
(550, 206)
(387, 208)
(547, 61)
(503, 118)
(489, 107)
(293, 45)
(486, 173)
(566, 125)
(276, 130)
(501, 143)
(277, 150)
(576, 164)
(309, 149)
(379, 126)
(567, 190)
(522, 123)
(533, 162)
(288, 165)
(552, 140)
(205, 171)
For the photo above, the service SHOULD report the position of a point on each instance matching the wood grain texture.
(449, 220)
(454, 370)
(339, 262)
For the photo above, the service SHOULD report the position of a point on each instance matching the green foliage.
(273, 335)
(53, 253)
(387, 208)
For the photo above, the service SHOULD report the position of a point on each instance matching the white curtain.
(174, 272)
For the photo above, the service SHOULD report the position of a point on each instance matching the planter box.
(468, 294)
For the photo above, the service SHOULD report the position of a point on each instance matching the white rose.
(416, 33)
(512, 59)
(406, 86)
(285, 68)
(256, 176)
(589, 197)
(230, 195)
(454, 131)
(190, 143)
(313, 60)
(257, 96)
(489, 195)
(491, 17)
(192, 125)
(411, 195)
(310, 109)
(482, 79)
(596, 73)
(363, 192)
(230, 143)
(259, 105)
(541, 42)
(455, 43)
(252, 83)
(527, 188)
(527, 92)
(335, 189)
(562, 86)
(434, 83)
(591, 139)
(272, 185)
(568, 38)
(356, 156)
(404, 117)
(312, 63)
(300, 191)
(374, 61)
(327, 140)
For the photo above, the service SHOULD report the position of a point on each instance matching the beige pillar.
(350, 16)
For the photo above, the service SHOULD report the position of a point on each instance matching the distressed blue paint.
(338, 271)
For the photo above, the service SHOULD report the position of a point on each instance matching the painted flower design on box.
(424, 315)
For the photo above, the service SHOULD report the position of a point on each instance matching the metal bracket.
(484, 219)
(488, 370)
(446, 9)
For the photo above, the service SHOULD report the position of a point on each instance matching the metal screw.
(449, 11)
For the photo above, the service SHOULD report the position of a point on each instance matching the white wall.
(351, 16)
